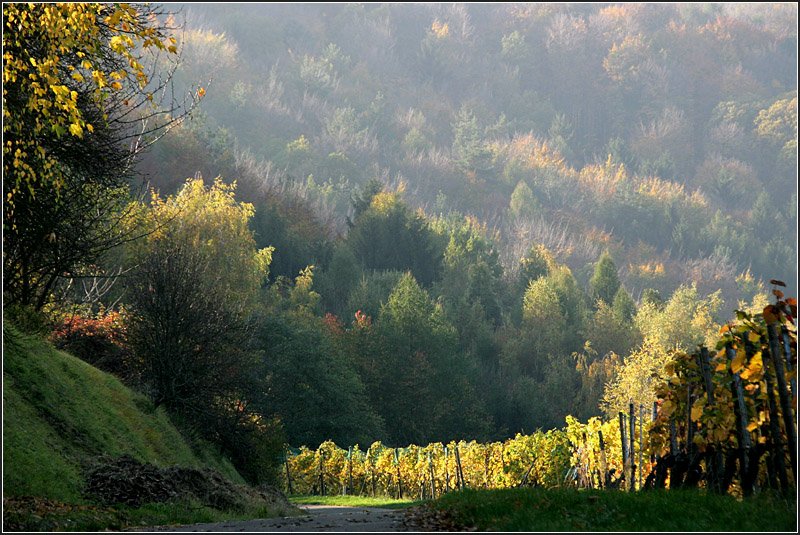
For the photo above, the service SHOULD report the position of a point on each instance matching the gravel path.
(319, 518)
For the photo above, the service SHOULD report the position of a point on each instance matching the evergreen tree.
(469, 151)
(623, 306)
(604, 283)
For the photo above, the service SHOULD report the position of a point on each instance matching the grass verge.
(354, 501)
(583, 510)
(62, 416)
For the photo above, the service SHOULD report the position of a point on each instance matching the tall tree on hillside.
(604, 283)
(388, 235)
(423, 363)
(469, 151)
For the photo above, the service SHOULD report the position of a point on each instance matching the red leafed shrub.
(98, 340)
(332, 323)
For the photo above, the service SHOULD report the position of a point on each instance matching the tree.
(523, 202)
(608, 333)
(421, 362)
(623, 306)
(542, 315)
(390, 236)
(604, 283)
(683, 323)
(469, 151)
(310, 385)
(537, 262)
(78, 105)
(192, 295)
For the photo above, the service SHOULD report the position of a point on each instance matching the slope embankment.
(65, 421)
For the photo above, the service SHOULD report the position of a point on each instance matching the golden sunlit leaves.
(667, 408)
(48, 49)
(754, 369)
(439, 29)
(738, 361)
(697, 409)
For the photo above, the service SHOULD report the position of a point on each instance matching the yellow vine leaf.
(738, 361)
(755, 369)
(697, 409)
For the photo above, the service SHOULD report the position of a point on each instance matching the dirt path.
(319, 518)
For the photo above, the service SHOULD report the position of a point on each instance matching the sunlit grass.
(574, 510)
(354, 501)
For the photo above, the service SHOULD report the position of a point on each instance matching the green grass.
(573, 510)
(60, 416)
(354, 501)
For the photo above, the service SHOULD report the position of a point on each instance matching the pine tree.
(604, 283)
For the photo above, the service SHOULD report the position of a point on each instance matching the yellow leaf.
(667, 408)
(697, 412)
(738, 361)
(753, 336)
(89, 127)
(752, 426)
(117, 43)
(116, 86)
(76, 130)
(754, 369)
(77, 76)
(201, 92)
(721, 367)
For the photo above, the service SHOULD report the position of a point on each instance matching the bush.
(98, 340)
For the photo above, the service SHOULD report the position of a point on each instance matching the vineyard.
(725, 420)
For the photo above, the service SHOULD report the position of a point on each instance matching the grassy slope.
(60, 414)
(572, 510)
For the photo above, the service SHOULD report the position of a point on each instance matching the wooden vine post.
(623, 444)
(288, 474)
(433, 477)
(349, 489)
(606, 478)
(714, 465)
(776, 450)
(459, 470)
(321, 472)
(777, 359)
(399, 481)
(641, 442)
(632, 448)
(446, 470)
